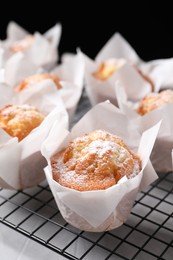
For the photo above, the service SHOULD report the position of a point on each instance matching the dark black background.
(89, 25)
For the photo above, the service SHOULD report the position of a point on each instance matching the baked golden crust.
(154, 100)
(95, 161)
(20, 120)
(29, 81)
(23, 44)
(107, 68)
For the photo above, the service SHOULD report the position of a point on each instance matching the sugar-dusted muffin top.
(33, 79)
(23, 44)
(95, 161)
(154, 100)
(20, 120)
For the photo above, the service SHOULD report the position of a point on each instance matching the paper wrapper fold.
(21, 163)
(119, 48)
(101, 210)
(71, 73)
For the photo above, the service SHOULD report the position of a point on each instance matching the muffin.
(20, 120)
(23, 44)
(33, 79)
(100, 151)
(110, 66)
(154, 100)
(95, 161)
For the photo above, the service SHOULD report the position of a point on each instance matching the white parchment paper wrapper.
(101, 90)
(105, 209)
(161, 156)
(21, 163)
(70, 72)
(159, 71)
(44, 50)
(2, 59)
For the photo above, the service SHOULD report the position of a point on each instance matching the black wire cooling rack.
(147, 233)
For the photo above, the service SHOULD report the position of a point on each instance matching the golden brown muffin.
(20, 120)
(29, 81)
(107, 68)
(154, 100)
(23, 44)
(95, 161)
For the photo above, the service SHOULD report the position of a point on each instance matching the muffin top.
(107, 68)
(33, 79)
(95, 161)
(20, 120)
(154, 100)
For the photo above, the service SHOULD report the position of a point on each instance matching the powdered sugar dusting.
(95, 161)
(101, 147)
